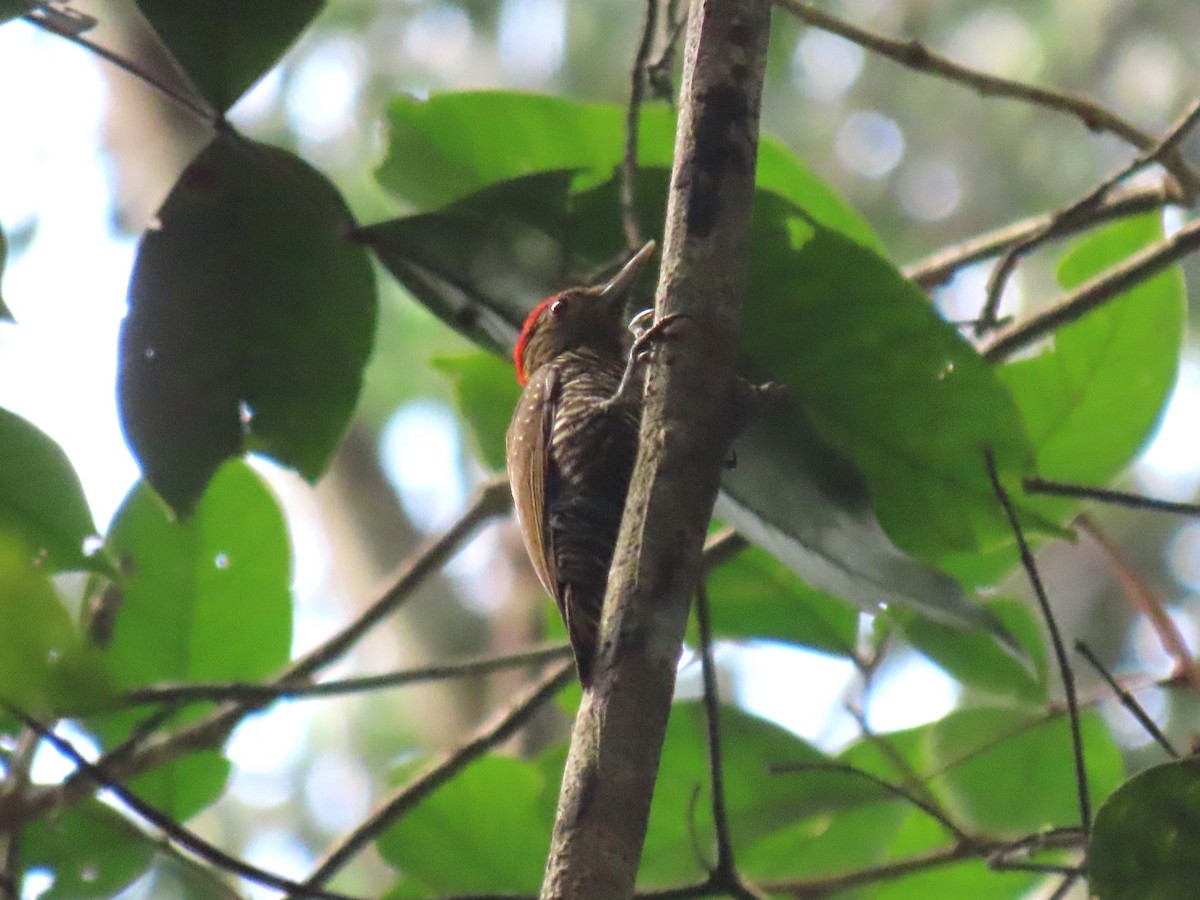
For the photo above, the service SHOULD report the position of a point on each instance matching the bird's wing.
(531, 472)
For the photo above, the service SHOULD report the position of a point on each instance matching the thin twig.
(937, 268)
(1147, 603)
(1127, 700)
(251, 693)
(172, 830)
(418, 788)
(725, 871)
(491, 500)
(916, 55)
(1106, 495)
(1094, 293)
(629, 166)
(1060, 651)
(194, 106)
(929, 808)
(20, 762)
(1073, 213)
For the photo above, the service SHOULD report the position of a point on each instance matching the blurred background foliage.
(90, 155)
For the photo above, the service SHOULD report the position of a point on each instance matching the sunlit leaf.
(444, 148)
(92, 850)
(46, 666)
(483, 831)
(251, 319)
(1006, 771)
(208, 598)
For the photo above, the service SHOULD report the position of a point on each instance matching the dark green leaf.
(92, 850)
(208, 598)
(251, 319)
(756, 596)
(41, 498)
(224, 46)
(486, 390)
(883, 377)
(1144, 839)
(976, 660)
(1006, 771)
(45, 664)
(483, 831)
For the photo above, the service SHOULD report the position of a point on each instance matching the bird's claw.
(647, 332)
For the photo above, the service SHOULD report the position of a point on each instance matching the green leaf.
(972, 878)
(486, 391)
(1005, 771)
(45, 664)
(756, 596)
(481, 262)
(92, 850)
(184, 787)
(1092, 398)
(884, 378)
(208, 598)
(224, 46)
(482, 832)
(444, 148)
(1144, 840)
(41, 498)
(759, 803)
(251, 319)
(976, 660)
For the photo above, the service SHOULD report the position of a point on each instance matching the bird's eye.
(557, 307)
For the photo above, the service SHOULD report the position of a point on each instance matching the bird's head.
(577, 317)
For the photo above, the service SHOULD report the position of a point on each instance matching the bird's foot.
(647, 336)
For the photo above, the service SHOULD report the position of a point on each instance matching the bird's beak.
(619, 284)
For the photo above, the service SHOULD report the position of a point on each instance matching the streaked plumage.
(571, 447)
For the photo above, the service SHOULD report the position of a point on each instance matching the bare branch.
(613, 761)
(253, 693)
(193, 104)
(637, 87)
(1147, 603)
(158, 749)
(936, 269)
(916, 55)
(1060, 652)
(1075, 212)
(1096, 292)
(1127, 700)
(500, 729)
(174, 831)
(1106, 495)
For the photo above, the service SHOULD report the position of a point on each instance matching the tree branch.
(937, 268)
(916, 55)
(417, 789)
(1096, 292)
(613, 761)
(158, 749)
(1074, 212)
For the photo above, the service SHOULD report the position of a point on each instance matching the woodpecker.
(572, 442)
